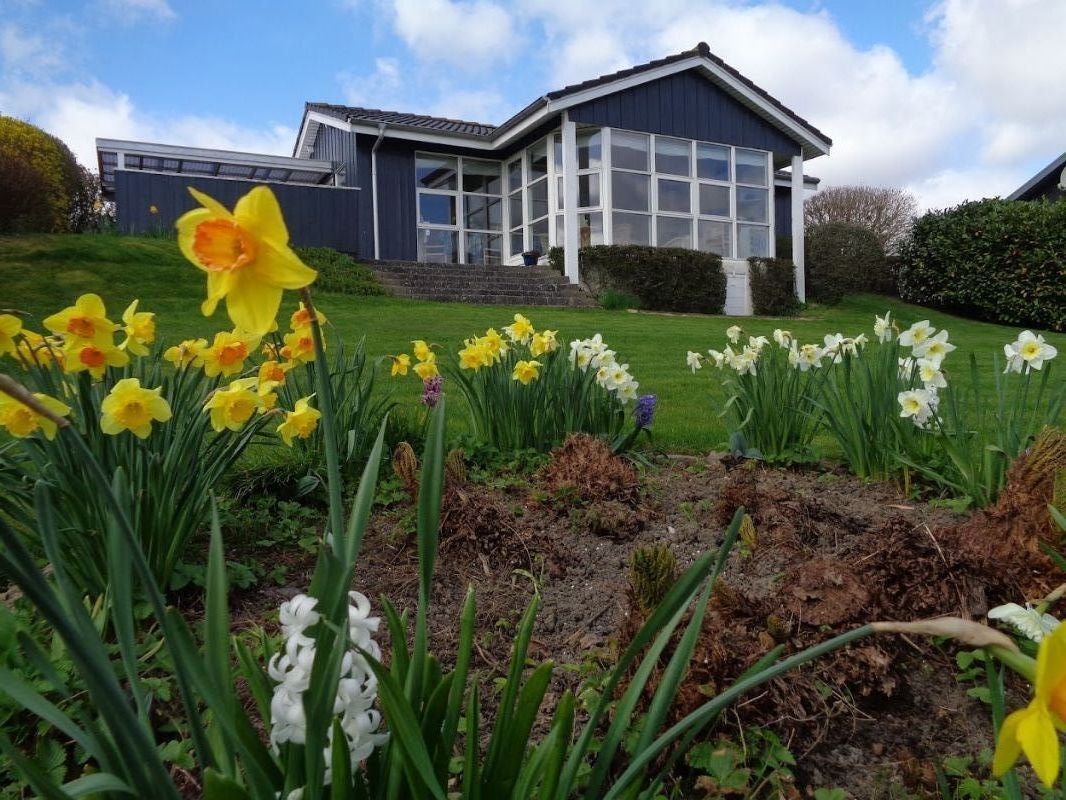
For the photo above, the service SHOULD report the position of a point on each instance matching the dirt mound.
(482, 524)
(584, 467)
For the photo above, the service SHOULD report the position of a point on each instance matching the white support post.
(797, 227)
(571, 240)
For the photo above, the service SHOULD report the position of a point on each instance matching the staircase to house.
(490, 285)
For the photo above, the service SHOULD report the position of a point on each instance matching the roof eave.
(1036, 180)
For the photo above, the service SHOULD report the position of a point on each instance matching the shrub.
(664, 278)
(618, 301)
(773, 287)
(999, 260)
(555, 259)
(52, 179)
(841, 259)
(337, 272)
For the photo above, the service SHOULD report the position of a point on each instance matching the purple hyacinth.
(431, 390)
(644, 412)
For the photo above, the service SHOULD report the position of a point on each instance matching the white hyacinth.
(1028, 621)
(356, 689)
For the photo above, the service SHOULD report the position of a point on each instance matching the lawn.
(41, 274)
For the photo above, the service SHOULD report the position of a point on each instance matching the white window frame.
(459, 228)
(768, 187)
(600, 208)
(652, 190)
(522, 191)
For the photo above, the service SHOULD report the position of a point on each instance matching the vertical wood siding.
(687, 105)
(316, 216)
(783, 216)
(337, 146)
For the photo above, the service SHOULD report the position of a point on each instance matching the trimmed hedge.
(662, 278)
(998, 260)
(339, 273)
(842, 259)
(773, 287)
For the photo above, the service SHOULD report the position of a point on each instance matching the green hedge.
(999, 260)
(339, 273)
(663, 278)
(842, 259)
(773, 287)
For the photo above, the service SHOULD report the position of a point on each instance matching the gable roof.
(1023, 191)
(700, 57)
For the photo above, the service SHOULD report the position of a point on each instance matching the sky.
(950, 99)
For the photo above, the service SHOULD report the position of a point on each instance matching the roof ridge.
(369, 110)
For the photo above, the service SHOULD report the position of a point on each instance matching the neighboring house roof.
(815, 142)
(1035, 186)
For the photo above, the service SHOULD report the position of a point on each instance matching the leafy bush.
(999, 260)
(337, 272)
(555, 259)
(842, 259)
(52, 192)
(773, 287)
(664, 278)
(618, 301)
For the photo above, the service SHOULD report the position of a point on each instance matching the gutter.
(374, 187)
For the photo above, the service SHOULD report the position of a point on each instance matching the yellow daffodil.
(139, 327)
(299, 346)
(245, 254)
(233, 406)
(33, 348)
(272, 351)
(301, 318)
(227, 353)
(422, 350)
(400, 364)
(268, 398)
(526, 371)
(520, 330)
(543, 342)
(83, 354)
(20, 420)
(130, 407)
(300, 422)
(475, 355)
(185, 353)
(1033, 729)
(10, 326)
(494, 344)
(273, 371)
(426, 370)
(86, 319)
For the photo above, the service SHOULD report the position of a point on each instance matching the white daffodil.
(694, 360)
(1015, 362)
(934, 348)
(860, 341)
(757, 343)
(807, 357)
(883, 327)
(1033, 350)
(783, 338)
(627, 392)
(717, 357)
(834, 346)
(916, 334)
(918, 405)
(930, 375)
(733, 333)
(1029, 622)
(907, 366)
(744, 361)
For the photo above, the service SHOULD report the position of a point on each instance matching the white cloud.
(132, 11)
(380, 89)
(31, 55)
(479, 106)
(468, 35)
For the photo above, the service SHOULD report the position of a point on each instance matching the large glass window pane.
(590, 228)
(752, 205)
(483, 213)
(715, 237)
(751, 167)
(517, 245)
(588, 190)
(629, 190)
(538, 199)
(538, 236)
(481, 176)
(674, 196)
(712, 161)
(436, 172)
(483, 248)
(557, 150)
(589, 149)
(559, 192)
(515, 210)
(714, 200)
(672, 156)
(560, 231)
(436, 209)
(631, 228)
(538, 160)
(673, 232)
(753, 240)
(437, 246)
(514, 175)
(629, 150)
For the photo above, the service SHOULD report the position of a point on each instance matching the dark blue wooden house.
(683, 151)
